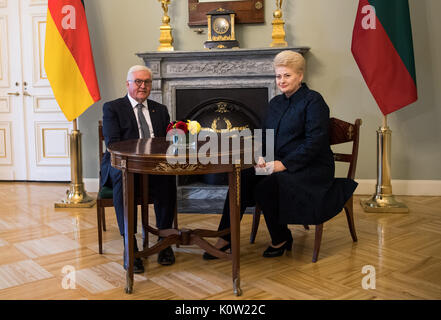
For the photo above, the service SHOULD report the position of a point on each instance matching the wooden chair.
(340, 132)
(105, 199)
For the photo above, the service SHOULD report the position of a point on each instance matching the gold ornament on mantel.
(165, 38)
(278, 34)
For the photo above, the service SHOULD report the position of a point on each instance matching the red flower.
(177, 125)
(170, 126)
(181, 125)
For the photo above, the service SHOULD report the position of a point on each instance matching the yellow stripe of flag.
(67, 83)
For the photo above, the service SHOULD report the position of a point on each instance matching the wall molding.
(365, 187)
(402, 187)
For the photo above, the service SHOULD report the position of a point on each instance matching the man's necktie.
(144, 126)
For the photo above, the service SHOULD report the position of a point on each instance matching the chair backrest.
(101, 148)
(100, 141)
(340, 132)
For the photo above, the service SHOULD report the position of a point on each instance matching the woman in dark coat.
(300, 188)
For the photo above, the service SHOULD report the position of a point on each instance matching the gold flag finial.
(165, 38)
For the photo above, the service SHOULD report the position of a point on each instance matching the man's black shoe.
(166, 257)
(138, 266)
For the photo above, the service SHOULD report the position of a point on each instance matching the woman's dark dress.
(308, 192)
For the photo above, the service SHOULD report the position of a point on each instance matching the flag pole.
(383, 200)
(76, 196)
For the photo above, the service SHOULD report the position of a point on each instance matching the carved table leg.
(234, 188)
(128, 226)
(145, 210)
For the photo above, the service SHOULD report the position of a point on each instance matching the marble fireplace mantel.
(211, 69)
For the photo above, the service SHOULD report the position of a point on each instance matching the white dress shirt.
(146, 113)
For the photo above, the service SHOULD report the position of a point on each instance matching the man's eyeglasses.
(139, 82)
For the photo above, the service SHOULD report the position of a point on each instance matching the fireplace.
(220, 110)
(222, 89)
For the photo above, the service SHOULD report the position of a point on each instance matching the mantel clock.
(221, 34)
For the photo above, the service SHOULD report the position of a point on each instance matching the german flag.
(383, 49)
(68, 58)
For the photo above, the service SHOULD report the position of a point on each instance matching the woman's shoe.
(272, 252)
(207, 256)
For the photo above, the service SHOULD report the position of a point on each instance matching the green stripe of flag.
(395, 19)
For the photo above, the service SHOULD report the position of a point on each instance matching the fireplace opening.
(220, 110)
(191, 102)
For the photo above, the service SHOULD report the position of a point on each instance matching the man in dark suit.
(133, 117)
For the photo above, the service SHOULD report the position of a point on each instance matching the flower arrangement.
(191, 126)
(180, 128)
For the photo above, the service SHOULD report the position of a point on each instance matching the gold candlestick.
(278, 34)
(165, 38)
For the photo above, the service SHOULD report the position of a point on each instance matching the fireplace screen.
(224, 116)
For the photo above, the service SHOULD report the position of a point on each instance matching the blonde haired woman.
(301, 188)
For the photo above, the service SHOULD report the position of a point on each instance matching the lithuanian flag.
(68, 58)
(383, 49)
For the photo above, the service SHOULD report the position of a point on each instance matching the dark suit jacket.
(308, 191)
(119, 124)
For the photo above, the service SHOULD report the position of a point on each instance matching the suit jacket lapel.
(154, 113)
(154, 117)
(131, 114)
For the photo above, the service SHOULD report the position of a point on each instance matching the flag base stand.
(76, 195)
(383, 203)
(383, 199)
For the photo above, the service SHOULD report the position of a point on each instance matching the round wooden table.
(160, 157)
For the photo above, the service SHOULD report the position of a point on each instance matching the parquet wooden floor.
(48, 253)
